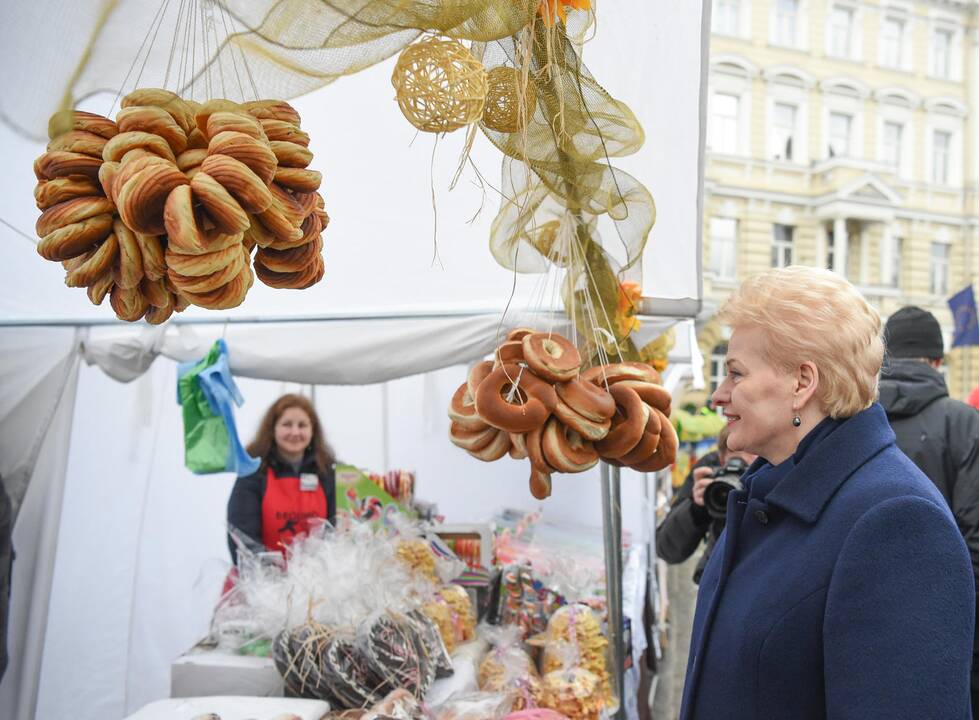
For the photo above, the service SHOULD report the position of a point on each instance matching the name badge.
(308, 482)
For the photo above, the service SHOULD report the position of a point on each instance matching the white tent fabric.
(124, 545)
(37, 400)
(341, 352)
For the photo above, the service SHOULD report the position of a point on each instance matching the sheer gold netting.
(558, 177)
(563, 181)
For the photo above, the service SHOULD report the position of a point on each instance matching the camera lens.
(715, 497)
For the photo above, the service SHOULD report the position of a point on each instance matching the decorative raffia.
(441, 87)
(509, 102)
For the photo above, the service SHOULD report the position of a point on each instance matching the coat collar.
(806, 490)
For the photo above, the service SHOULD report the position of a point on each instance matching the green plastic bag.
(207, 393)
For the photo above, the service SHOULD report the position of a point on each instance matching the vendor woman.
(295, 483)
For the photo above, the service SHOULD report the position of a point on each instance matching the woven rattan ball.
(503, 109)
(441, 87)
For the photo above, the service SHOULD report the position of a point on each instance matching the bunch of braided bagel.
(534, 401)
(163, 207)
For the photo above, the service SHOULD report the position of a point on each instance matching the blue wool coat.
(846, 591)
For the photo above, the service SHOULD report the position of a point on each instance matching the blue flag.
(963, 306)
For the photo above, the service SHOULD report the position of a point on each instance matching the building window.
(891, 42)
(841, 32)
(786, 20)
(723, 248)
(782, 245)
(939, 268)
(724, 123)
(942, 53)
(892, 271)
(891, 144)
(717, 369)
(941, 144)
(839, 134)
(725, 17)
(783, 130)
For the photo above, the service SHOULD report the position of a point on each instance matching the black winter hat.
(913, 333)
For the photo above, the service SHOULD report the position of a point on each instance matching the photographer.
(689, 521)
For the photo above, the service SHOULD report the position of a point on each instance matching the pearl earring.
(796, 421)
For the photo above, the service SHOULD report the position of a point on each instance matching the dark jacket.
(245, 503)
(6, 570)
(940, 435)
(687, 524)
(840, 589)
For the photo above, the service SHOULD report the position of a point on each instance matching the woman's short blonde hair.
(816, 315)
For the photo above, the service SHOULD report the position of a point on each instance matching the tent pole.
(612, 527)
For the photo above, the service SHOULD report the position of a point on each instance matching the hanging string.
(29, 238)
(193, 52)
(248, 69)
(146, 38)
(230, 45)
(185, 50)
(435, 211)
(173, 44)
(218, 49)
(208, 67)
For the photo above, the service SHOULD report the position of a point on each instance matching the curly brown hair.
(264, 442)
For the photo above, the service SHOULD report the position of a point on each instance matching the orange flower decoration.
(630, 295)
(552, 9)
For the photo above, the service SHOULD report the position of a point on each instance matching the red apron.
(286, 510)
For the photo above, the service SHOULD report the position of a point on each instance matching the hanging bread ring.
(52, 192)
(71, 211)
(628, 425)
(540, 483)
(565, 450)
(496, 448)
(462, 410)
(129, 304)
(223, 210)
(586, 399)
(535, 453)
(648, 443)
(60, 163)
(94, 264)
(518, 446)
(293, 260)
(615, 372)
(551, 356)
(587, 428)
(665, 454)
(471, 439)
(99, 289)
(226, 296)
(253, 153)
(652, 394)
(518, 334)
(478, 373)
(75, 239)
(512, 398)
(508, 352)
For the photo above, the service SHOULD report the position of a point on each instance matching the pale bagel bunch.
(534, 401)
(162, 208)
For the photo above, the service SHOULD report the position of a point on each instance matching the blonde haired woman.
(841, 587)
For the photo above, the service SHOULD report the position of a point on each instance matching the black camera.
(725, 479)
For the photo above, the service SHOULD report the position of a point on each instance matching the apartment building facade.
(842, 134)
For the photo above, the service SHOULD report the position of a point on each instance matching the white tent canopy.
(119, 548)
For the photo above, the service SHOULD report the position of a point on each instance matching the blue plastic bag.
(207, 392)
